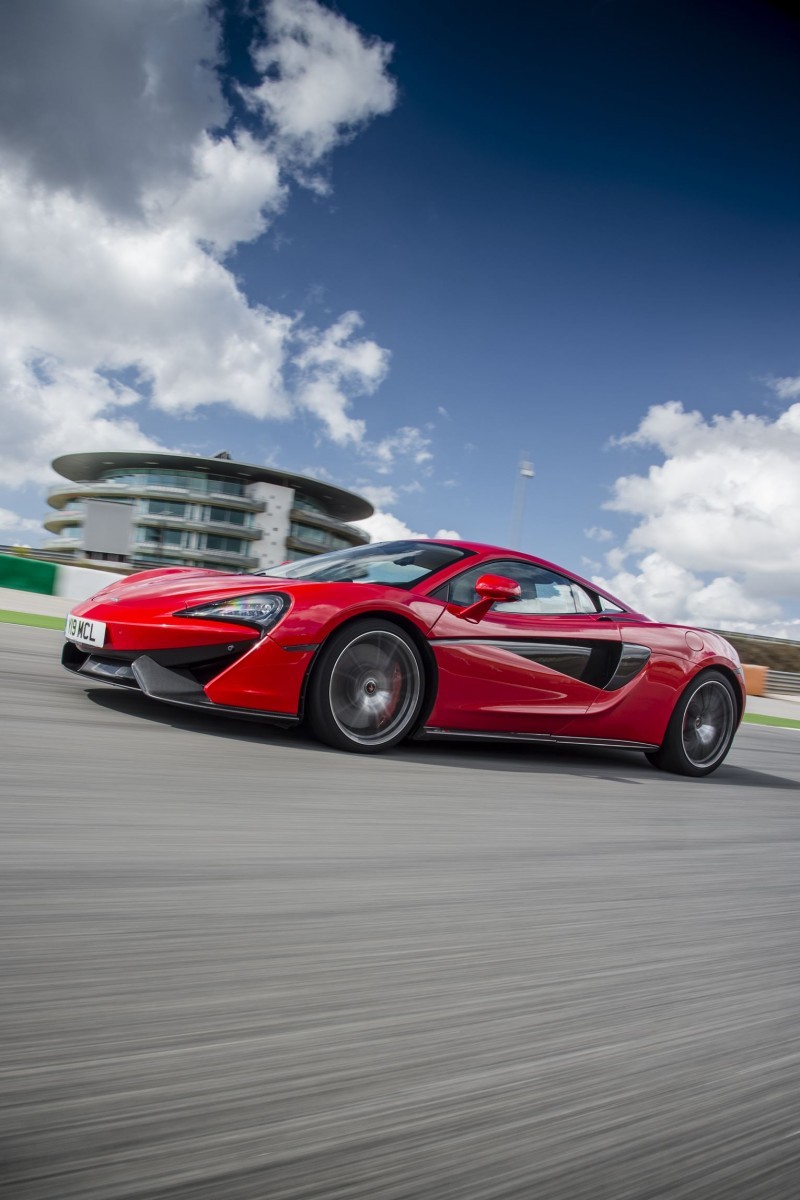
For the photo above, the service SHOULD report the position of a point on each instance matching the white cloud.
(408, 442)
(10, 521)
(336, 365)
(379, 496)
(787, 388)
(666, 591)
(119, 199)
(321, 78)
(386, 527)
(316, 472)
(234, 187)
(597, 534)
(717, 521)
(107, 100)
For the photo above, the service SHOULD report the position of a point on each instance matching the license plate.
(80, 629)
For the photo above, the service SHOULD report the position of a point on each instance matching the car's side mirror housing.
(492, 589)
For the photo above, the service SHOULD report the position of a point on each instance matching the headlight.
(261, 609)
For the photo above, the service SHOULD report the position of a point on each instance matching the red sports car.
(429, 638)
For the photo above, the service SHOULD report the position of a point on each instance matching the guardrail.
(782, 683)
(767, 681)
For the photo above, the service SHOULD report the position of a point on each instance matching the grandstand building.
(139, 510)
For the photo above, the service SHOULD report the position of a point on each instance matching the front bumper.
(257, 681)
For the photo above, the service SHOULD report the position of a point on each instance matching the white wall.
(78, 583)
(108, 527)
(274, 523)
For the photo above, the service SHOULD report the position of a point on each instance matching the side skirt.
(548, 739)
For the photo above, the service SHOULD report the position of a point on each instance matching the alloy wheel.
(374, 687)
(708, 723)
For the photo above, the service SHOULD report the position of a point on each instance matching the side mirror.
(491, 589)
(498, 588)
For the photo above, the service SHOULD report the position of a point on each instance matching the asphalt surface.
(236, 964)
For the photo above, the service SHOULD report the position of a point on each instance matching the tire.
(367, 689)
(701, 728)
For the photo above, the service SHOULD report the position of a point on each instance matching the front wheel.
(367, 688)
(701, 728)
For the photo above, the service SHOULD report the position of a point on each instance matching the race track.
(236, 964)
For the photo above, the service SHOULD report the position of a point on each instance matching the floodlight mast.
(526, 472)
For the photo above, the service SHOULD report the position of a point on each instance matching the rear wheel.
(367, 689)
(701, 728)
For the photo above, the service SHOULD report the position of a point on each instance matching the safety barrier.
(23, 574)
(755, 679)
(782, 683)
(27, 575)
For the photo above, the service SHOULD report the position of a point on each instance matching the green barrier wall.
(27, 574)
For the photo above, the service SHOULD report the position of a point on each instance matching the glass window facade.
(195, 543)
(196, 481)
(164, 537)
(302, 501)
(165, 508)
(163, 560)
(216, 541)
(318, 537)
(228, 516)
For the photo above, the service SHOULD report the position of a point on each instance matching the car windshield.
(395, 564)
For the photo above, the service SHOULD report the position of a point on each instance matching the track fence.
(782, 683)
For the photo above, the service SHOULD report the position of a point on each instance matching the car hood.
(188, 588)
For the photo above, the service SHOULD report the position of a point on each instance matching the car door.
(527, 667)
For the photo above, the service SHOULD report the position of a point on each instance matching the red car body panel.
(496, 676)
(268, 677)
(490, 688)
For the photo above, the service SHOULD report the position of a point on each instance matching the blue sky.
(551, 220)
(568, 218)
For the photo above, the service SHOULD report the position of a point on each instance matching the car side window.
(608, 606)
(543, 591)
(583, 599)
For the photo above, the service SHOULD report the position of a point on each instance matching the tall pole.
(526, 472)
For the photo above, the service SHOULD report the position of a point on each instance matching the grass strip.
(41, 622)
(761, 719)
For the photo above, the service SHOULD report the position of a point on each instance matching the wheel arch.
(408, 626)
(733, 679)
(672, 754)
(722, 669)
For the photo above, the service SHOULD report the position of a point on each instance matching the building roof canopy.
(347, 506)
